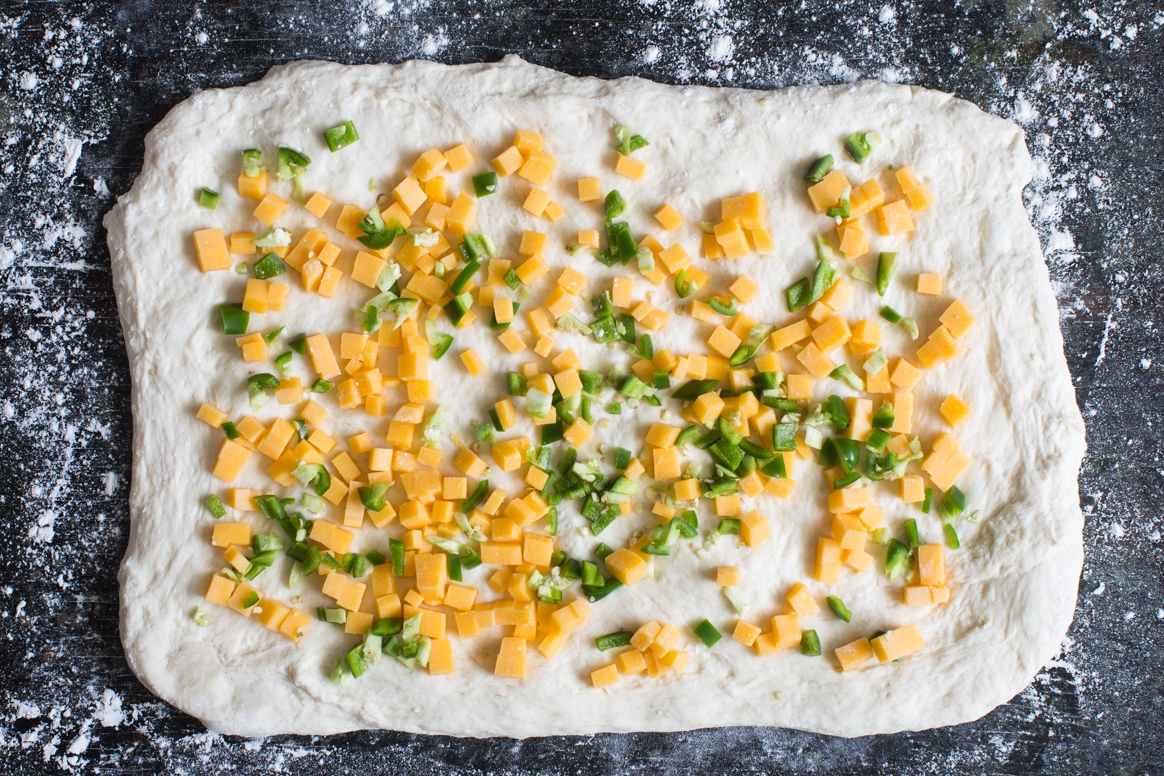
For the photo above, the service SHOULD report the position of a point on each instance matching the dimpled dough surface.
(1013, 583)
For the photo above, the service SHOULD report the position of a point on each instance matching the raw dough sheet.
(1013, 582)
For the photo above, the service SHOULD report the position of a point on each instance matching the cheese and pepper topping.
(383, 530)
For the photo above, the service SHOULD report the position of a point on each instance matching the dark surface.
(1086, 89)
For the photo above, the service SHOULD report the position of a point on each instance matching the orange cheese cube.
(723, 341)
(631, 661)
(754, 528)
(571, 281)
(727, 576)
(929, 284)
(849, 532)
(210, 248)
(954, 410)
(231, 459)
(828, 192)
(666, 463)
(253, 187)
(662, 435)
(866, 337)
(508, 161)
(220, 590)
(578, 432)
(931, 565)
(605, 676)
(536, 202)
(744, 288)
(461, 215)
(668, 218)
(538, 168)
(854, 654)
(244, 593)
(897, 643)
(957, 319)
(848, 500)
(894, 218)
(913, 490)
(270, 208)
(790, 335)
(786, 627)
(589, 189)
(626, 566)
(745, 633)
(831, 334)
(801, 600)
(732, 238)
(409, 195)
(429, 165)
(902, 412)
(458, 158)
(511, 660)
(817, 363)
(630, 167)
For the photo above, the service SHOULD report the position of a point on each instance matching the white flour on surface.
(62, 81)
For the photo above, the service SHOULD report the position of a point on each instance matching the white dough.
(1013, 583)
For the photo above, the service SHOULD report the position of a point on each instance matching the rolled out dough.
(1013, 583)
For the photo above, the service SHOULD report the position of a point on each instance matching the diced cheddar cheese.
(894, 218)
(854, 654)
(253, 187)
(957, 319)
(668, 218)
(904, 375)
(270, 208)
(589, 189)
(626, 566)
(954, 410)
(745, 633)
(828, 192)
(605, 676)
(231, 459)
(538, 168)
(754, 528)
(630, 167)
(897, 643)
(929, 284)
(210, 248)
(817, 363)
(789, 335)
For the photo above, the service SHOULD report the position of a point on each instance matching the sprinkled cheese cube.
(817, 363)
(931, 565)
(854, 654)
(902, 413)
(665, 463)
(727, 576)
(511, 660)
(568, 381)
(662, 435)
(722, 341)
(849, 532)
(878, 383)
(588, 238)
(645, 636)
(537, 549)
(750, 208)
(830, 335)
(674, 258)
(367, 268)
(894, 218)
(501, 553)
(626, 566)
(920, 198)
(554, 211)
(853, 242)
(865, 197)
(848, 500)
(913, 489)
(348, 221)
(538, 168)
(511, 341)
(860, 418)
(210, 247)
(242, 243)
(458, 158)
(270, 208)
(322, 356)
(866, 337)
(707, 408)
(929, 284)
(655, 320)
(220, 590)
(787, 630)
(329, 282)
(506, 455)
(589, 189)
(731, 237)
(745, 633)
(630, 167)
(578, 432)
(227, 534)
(800, 599)
(744, 288)
(231, 459)
(253, 187)
(781, 488)
(917, 595)
(272, 613)
(473, 362)
(904, 375)
(897, 643)
(711, 247)
(828, 192)
(461, 215)
(953, 409)
(559, 302)
(957, 319)
(318, 205)
(531, 270)
(766, 644)
(668, 218)
(572, 281)
(675, 660)
(243, 595)
(939, 348)
(754, 528)
(536, 202)
(210, 414)
(631, 662)
(429, 165)
(727, 506)
(790, 335)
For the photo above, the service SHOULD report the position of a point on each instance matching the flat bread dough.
(1013, 582)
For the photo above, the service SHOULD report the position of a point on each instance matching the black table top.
(83, 84)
